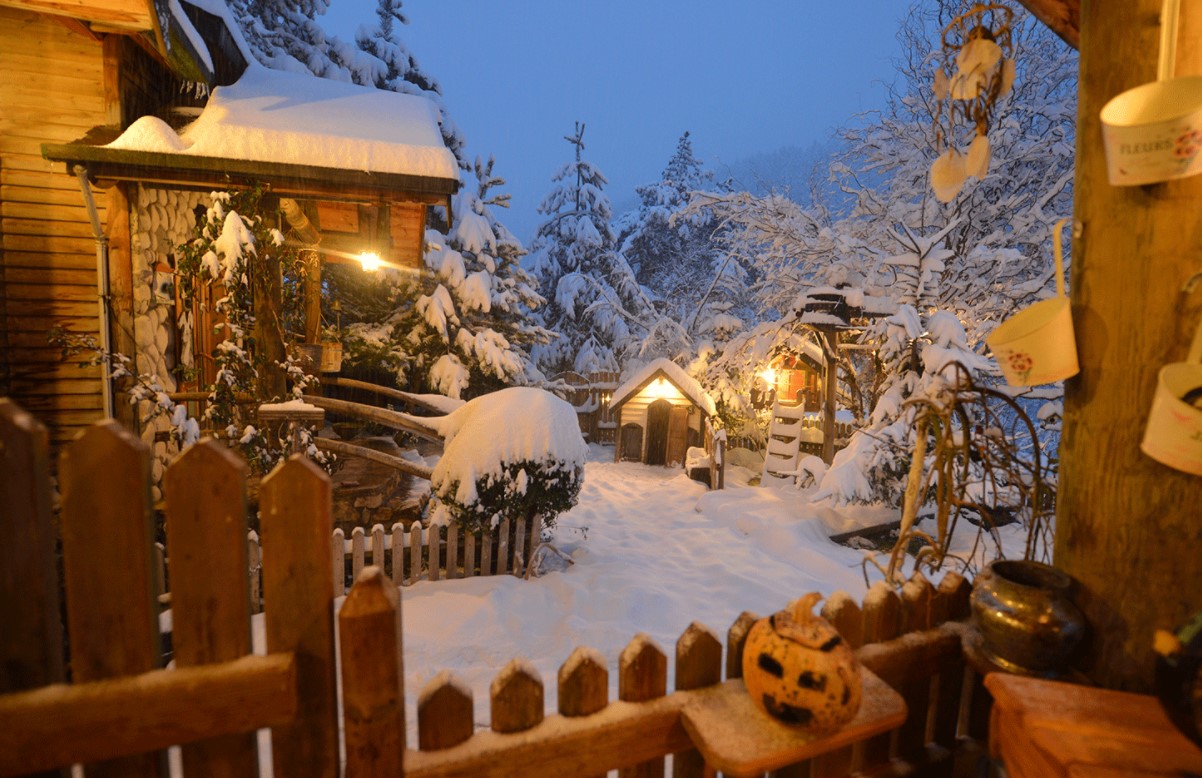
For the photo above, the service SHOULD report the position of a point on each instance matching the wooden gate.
(678, 435)
(632, 443)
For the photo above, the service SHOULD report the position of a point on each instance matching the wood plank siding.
(51, 92)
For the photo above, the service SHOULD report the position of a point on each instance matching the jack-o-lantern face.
(799, 670)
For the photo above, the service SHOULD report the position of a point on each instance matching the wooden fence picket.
(358, 552)
(31, 643)
(373, 692)
(415, 552)
(516, 698)
(338, 561)
(377, 546)
(296, 518)
(435, 550)
(206, 543)
(736, 637)
(503, 548)
(642, 676)
(951, 601)
(698, 664)
(469, 554)
(112, 612)
(583, 685)
(519, 547)
(452, 551)
(486, 553)
(846, 617)
(882, 609)
(915, 617)
(398, 554)
(444, 713)
(532, 536)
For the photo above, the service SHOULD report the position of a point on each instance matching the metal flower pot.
(1028, 622)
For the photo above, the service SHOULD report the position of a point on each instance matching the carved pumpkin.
(800, 671)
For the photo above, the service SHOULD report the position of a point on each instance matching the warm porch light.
(370, 261)
(769, 376)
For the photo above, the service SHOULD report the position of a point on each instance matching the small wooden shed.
(660, 412)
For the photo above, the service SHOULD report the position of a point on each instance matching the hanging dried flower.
(977, 71)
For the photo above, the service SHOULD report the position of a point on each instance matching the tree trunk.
(1129, 529)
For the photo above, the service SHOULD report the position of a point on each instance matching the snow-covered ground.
(652, 552)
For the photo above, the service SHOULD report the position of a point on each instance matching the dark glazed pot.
(1028, 622)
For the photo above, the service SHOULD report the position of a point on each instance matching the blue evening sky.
(743, 78)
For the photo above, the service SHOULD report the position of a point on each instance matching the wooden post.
(642, 676)
(830, 385)
(503, 547)
(210, 603)
(338, 562)
(882, 611)
(358, 551)
(373, 691)
(312, 266)
(1127, 526)
(296, 519)
(112, 612)
(31, 643)
(452, 551)
(698, 664)
(267, 286)
(583, 685)
(433, 534)
(469, 554)
(415, 552)
(845, 616)
(398, 554)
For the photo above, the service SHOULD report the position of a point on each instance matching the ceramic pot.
(1028, 623)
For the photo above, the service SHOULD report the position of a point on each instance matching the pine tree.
(466, 326)
(594, 300)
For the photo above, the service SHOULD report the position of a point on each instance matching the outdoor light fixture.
(769, 376)
(370, 261)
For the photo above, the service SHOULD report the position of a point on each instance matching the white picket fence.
(407, 556)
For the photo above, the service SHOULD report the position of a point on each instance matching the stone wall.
(161, 220)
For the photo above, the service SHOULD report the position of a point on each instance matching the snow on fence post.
(107, 537)
(444, 713)
(503, 547)
(452, 551)
(338, 561)
(698, 664)
(642, 676)
(415, 552)
(31, 643)
(254, 563)
(373, 692)
(297, 521)
(358, 552)
(398, 554)
(469, 554)
(206, 542)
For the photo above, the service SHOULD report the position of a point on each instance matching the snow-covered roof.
(290, 118)
(687, 385)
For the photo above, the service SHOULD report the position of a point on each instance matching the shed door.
(657, 432)
(678, 435)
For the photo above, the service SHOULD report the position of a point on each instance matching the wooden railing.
(121, 706)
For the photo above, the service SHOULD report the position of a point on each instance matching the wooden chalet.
(660, 412)
(88, 229)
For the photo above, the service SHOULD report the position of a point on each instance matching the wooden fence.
(589, 395)
(405, 555)
(121, 710)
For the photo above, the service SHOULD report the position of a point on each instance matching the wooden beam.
(1128, 528)
(397, 463)
(128, 15)
(87, 722)
(1062, 17)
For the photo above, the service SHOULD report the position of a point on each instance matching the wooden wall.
(50, 92)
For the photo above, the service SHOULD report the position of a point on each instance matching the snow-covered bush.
(920, 354)
(514, 453)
